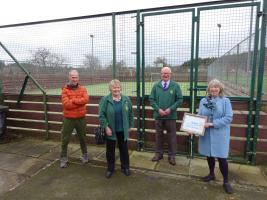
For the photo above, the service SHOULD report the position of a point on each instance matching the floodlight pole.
(92, 37)
(219, 26)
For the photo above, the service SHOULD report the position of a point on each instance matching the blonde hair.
(114, 82)
(216, 83)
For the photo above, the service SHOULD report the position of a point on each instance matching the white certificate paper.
(193, 124)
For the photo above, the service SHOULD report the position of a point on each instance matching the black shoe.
(208, 178)
(172, 160)
(126, 172)
(227, 188)
(108, 174)
(157, 157)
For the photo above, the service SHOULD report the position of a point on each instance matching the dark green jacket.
(107, 115)
(171, 98)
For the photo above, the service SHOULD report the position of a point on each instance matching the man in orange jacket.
(74, 100)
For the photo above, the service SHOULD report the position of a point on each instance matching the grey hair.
(73, 70)
(216, 83)
(113, 83)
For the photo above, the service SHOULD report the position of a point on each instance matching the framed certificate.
(193, 124)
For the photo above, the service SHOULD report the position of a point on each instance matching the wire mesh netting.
(126, 52)
(49, 50)
(167, 42)
(227, 36)
(234, 68)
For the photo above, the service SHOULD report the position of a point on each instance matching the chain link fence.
(102, 47)
(232, 47)
(49, 50)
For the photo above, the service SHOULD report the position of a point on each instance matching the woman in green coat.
(116, 116)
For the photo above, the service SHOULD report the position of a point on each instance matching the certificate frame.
(194, 124)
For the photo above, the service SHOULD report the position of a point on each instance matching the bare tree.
(91, 62)
(160, 61)
(120, 65)
(44, 58)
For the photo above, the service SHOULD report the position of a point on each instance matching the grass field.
(128, 88)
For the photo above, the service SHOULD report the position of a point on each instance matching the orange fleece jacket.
(74, 101)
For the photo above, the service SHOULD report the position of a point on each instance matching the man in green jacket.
(165, 98)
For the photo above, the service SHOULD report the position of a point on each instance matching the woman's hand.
(208, 125)
(108, 131)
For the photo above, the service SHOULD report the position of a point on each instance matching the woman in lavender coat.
(216, 140)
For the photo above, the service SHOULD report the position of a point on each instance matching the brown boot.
(172, 160)
(157, 157)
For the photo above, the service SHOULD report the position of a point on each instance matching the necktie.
(165, 86)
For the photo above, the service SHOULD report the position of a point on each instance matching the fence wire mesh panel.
(167, 42)
(235, 68)
(48, 51)
(126, 52)
(226, 41)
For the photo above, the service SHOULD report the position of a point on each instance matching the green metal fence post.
(142, 25)
(1, 93)
(195, 69)
(46, 116)
(114, 45)
(23, 89)
(138, 98)
(191, 97)
(252, 89)
(260, 79)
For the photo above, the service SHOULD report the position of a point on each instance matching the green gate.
(159, 48)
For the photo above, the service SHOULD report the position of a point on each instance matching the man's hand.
(167, 111)
(162, 112)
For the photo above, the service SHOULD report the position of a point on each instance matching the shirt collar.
(162, 83)
(116, 98)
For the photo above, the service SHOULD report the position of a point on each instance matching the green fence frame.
(260, 79)
(192, 11)
(194, 88)
(252, 132)
(249, 150)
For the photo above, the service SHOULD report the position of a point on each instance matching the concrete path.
(29, 169)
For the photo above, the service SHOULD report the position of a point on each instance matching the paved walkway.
(26, 161)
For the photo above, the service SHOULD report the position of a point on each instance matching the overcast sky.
(20, 11)
(71, 40)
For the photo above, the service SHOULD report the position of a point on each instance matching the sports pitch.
(128, 88)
